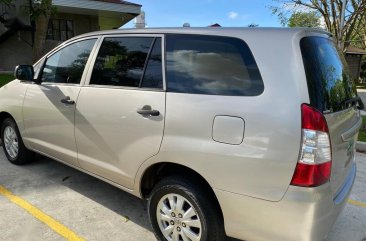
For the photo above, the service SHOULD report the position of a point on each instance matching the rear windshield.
(329, 84)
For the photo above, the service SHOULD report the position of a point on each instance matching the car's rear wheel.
(180, 211)
(12, 143)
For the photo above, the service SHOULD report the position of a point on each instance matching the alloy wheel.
(177, 219)
(11, 142)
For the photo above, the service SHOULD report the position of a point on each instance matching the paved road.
(95, 210)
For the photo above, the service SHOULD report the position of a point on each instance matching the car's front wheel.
(180, 210)
(12, 143)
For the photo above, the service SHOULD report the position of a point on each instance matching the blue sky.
(201, 13)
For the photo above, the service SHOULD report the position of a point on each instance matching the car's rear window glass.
(329, 83)
(211, 65)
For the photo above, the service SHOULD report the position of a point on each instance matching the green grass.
(5, 78)
(362, 133)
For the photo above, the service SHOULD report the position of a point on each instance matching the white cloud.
(233, 15)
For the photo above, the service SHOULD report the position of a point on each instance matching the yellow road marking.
(357, 203)
(35, 212)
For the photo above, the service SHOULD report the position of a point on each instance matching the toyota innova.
(248, 133)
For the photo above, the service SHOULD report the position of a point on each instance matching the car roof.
(204, 31)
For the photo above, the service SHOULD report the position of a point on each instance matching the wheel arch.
(158, 171)
(4, 115)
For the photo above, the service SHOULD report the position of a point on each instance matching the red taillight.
(315, 164)
(307, 175)
(312, 119)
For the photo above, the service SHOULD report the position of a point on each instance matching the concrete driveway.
(76, 206)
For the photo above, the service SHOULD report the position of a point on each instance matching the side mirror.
(24, 73)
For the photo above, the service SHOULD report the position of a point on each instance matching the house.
(73, 17)
(354, 58)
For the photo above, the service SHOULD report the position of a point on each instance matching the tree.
(40, 12)
(5, 1)
(359, 38)
(304, 19)
(331, 12)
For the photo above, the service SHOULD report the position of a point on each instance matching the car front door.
(119, 118)
(49, 108)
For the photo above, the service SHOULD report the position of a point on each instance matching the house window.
(60, 29)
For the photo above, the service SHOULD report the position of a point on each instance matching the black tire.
(203, 204)
(24, 155)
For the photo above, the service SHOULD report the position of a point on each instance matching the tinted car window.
(327, 74)
(153, 77)
(121, 61)
(67, 65)
(211, 65)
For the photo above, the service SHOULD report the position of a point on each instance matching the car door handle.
(147, 110)
(67, 101)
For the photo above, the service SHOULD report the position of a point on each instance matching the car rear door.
(119, 117)
(49, 108)
(332, 91)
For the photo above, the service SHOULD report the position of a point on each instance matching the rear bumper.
(303, 214)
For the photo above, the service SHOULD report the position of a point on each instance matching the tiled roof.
(119, 2)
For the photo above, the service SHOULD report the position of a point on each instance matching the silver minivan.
(248, 133)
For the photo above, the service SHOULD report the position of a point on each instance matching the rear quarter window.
(211, 65)
(329, 83)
